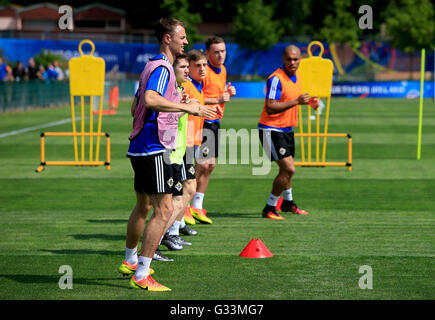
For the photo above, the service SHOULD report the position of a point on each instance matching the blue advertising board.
(129, 57)
(393, 89)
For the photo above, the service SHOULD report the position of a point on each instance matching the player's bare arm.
(275, 106)
(156, 102)
(225, 97)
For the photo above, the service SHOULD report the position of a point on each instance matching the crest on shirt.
(282, 151)
(178, 186)
(192, 171)
(170, 182)
(205, 151)
(172, 117)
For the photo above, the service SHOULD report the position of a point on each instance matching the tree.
(298, 17)
(410, 25)
(341, 26)
(179, 9)
(46, 56)
(253, 26)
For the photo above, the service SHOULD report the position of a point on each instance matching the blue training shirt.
(147, 142)
(274, 89)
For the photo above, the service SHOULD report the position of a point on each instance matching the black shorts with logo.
(210, 140)
(152, 174)
(188, 163)
(179, 177)
(277, 144)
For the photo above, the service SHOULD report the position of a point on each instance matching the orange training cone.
(256, 249)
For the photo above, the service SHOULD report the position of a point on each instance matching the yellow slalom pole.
(100, 116)
(82, 100)
(349, 152)
(74, 129)
(309, 131)
(317, 131)
(108, 151)
(91, 127)
(301, 131)
(326, 128)
(420, 116)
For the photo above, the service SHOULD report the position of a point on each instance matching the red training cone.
(256, 249)
(279, 203)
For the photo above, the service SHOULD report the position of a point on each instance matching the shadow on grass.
(114, 221)
(250, 215)
(98, 236)
(41, 279)
(85, 251)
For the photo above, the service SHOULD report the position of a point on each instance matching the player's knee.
(288, 170)
(164, 214)
(167, 208)
(143, 207)
(189, 188)
(211, 167)
(147, 208)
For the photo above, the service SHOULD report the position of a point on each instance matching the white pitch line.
(50, 124)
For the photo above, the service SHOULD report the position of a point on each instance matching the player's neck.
(165, 50)
(215, 66)
(198, 81)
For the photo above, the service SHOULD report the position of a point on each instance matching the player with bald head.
(279, 117)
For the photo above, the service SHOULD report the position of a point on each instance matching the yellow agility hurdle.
(86, 80)
(73, 163)
(316, 80)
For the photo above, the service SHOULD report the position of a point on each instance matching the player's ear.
(166, 38)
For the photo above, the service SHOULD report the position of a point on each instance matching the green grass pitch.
(381, 214)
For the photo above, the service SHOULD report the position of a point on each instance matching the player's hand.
(231, 89)
(208, 112)
(314, 102)
(219, 111)
(194, 100)
(225, 97)
(194, 107)
(184, 97)
(303, 98)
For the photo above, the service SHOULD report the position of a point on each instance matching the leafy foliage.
(341, 26)
(410, 24)
(254, 27)
(46, 56)
(180, 10)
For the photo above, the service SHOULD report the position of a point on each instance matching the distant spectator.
(5, 71)
(42, 73)
(51, 72)
(58, 69)
(33, 71)
(19, 72)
